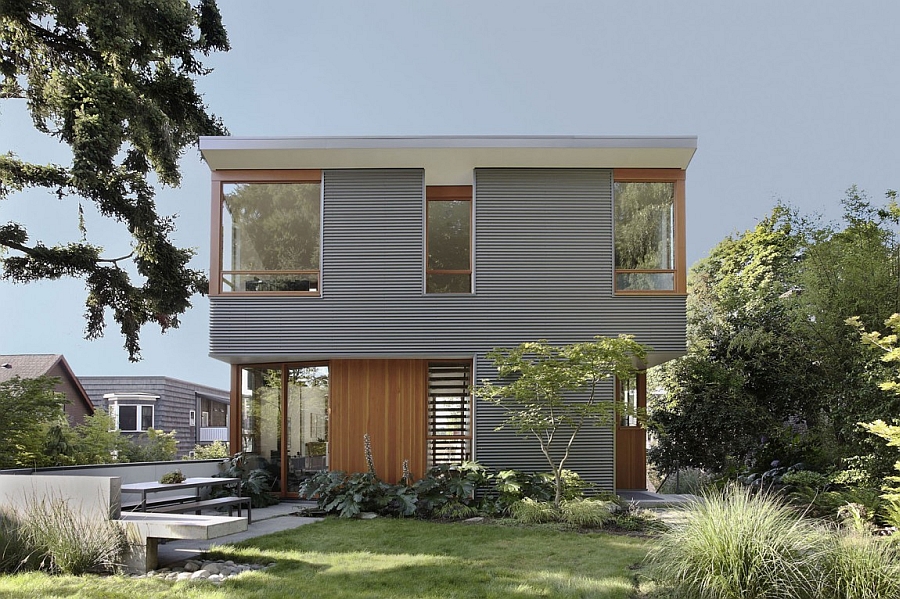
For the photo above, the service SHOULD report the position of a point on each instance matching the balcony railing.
(213, 433)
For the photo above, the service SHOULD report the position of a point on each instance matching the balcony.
(209, 434)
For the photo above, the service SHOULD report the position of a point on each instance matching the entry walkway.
(668, 507)
(266, 520)
(652, 500)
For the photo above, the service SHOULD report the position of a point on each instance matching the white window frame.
(139, 417)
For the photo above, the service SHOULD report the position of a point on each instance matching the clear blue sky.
(790, 100)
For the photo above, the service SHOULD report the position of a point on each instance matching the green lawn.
(390, 558)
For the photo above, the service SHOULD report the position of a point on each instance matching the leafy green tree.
(773, 372)
(115, 83)
(550, 393)
(25, 406)
(743, 376)
(889, 348)
(96, 440)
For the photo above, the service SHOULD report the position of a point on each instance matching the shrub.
(62, 541)
(737, 544)
(446, 492)
(587, 513)
(805, 478)
(858, 566)
(350, 494)
(891, 513)
(530, 511)
(450, 491)
(256, 483)
(214, 451)
(511, 486)
(828, 503)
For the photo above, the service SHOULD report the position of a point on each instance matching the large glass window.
(284, 422)
(271, 235)
(448, 239)
(449, 413)
(645, 235)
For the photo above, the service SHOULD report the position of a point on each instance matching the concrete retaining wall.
(130, 472)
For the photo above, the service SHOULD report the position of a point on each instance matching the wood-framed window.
(648, 216)
(448, 239)
(267, 232)
(449, 437)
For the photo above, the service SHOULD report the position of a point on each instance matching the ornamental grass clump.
(13, 549)
(530, 511)
(861, 566)
(737, 544)
(586, 513)
(61, 540)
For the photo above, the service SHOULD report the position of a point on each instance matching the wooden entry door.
(631, 437)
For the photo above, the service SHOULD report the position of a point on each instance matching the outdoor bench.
(162, 501)
(195, 506)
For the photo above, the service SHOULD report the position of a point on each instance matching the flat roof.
(448, 160)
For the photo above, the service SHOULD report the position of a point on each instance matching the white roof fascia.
(447, 160)
(120, 397)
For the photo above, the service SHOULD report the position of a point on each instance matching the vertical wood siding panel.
(385, 399)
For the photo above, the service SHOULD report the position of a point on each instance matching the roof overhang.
(120, 397)
(447, 160)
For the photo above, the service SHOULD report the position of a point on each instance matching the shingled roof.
(29, 366)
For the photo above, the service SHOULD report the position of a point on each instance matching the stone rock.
(367, 515)
(215, 571)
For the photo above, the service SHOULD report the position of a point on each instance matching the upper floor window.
(448, 239)
(271, 231)
(649, 231)
(134, 418)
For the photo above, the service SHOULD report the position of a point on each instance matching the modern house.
(31, 366)
(198, 414)
(357, 284)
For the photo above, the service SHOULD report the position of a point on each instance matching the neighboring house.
(198, 414)
(357, 283)
(32, 366)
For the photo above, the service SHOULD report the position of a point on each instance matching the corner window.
(270, 236)
(449, 435)
(649, 239)
(448, 239)
(134, 418)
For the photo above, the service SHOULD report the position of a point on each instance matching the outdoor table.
(189, 483)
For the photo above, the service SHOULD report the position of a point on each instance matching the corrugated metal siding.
(543, 269)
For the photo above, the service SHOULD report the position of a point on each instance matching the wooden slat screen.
(449, 412)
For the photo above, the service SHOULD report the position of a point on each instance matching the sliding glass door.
(284, 421)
